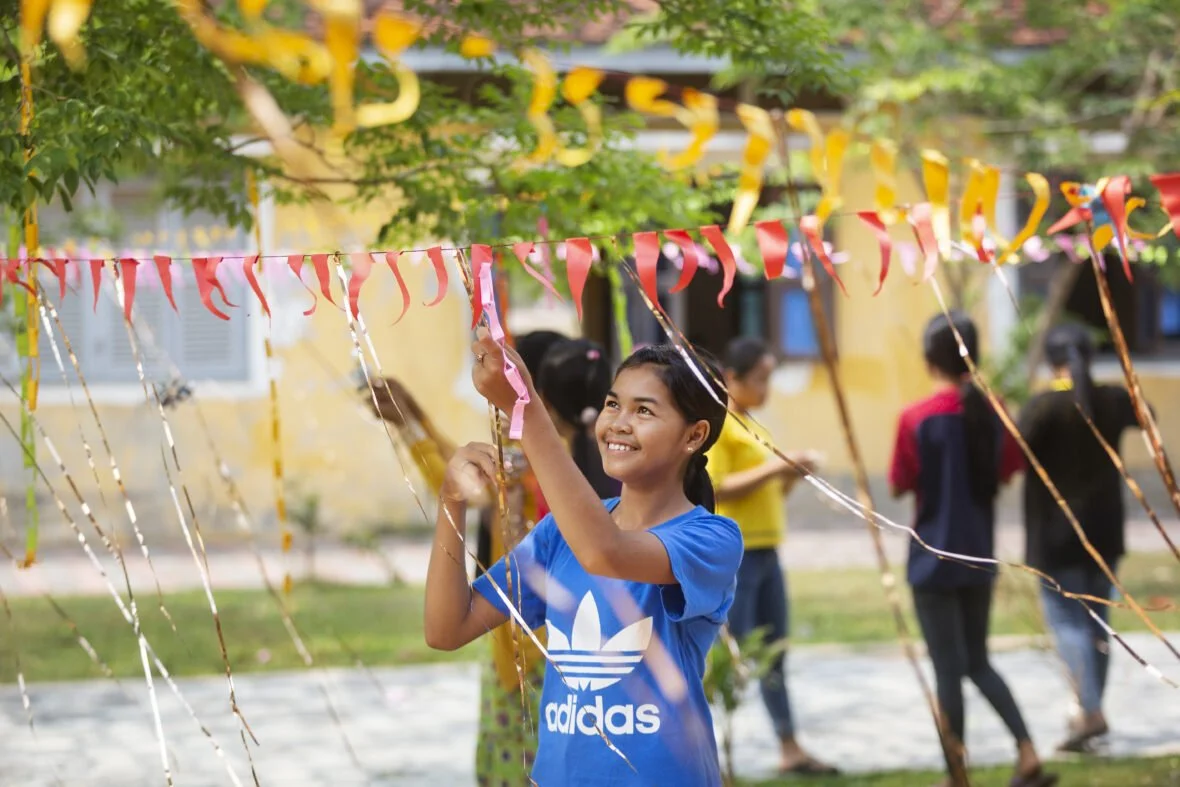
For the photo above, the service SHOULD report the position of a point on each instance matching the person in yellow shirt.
(751, 484)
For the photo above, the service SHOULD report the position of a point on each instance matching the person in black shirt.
(953, 454)
(1055, 429)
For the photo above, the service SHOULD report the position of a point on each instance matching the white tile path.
(861, 710)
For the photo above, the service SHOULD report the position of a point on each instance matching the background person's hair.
(574, 378)
(532, 347)
(743, 354)
(979, 422)
(1070, 346)
(695, 403)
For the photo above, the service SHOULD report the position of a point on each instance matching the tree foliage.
(152, 100)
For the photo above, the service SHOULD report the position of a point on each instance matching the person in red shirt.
(952, 453)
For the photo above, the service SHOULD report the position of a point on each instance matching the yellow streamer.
(475, 46)
(1040, 187)
(342, 36)
(972, 199)
(989, 196)
(758, 146)
(32, 22)
(252, 9)
(883, 159)
(827, 159)
(544, 92)
(936, 178)
(66, 18)
(577, 88)
(837, 145)
(702, 118)
(295, 56)
(643, 95)
(699, 115)
(392, 35)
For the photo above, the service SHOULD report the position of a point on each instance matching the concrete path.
(68, 571)
(416, 726)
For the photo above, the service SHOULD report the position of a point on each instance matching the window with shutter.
(190, 339)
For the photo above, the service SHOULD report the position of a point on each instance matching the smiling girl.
(626, 587)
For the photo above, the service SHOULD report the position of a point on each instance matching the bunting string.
(200, 558)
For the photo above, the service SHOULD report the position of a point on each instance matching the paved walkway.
(65, 571)
(416, 726)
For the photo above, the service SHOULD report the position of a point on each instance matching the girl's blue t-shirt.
(623, 701)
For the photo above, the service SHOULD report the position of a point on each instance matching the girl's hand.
(488, 372)
(470, 475)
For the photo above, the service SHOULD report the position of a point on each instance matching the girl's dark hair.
(979, 422)
(1070, 346)
(574, 377)
(532, 347)
(696, 401)
(743, 354)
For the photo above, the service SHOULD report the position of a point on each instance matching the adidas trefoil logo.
(585, 661)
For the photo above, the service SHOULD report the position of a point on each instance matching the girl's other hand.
(470, 476)
(488, 372)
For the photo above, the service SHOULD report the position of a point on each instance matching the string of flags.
(1103, 208)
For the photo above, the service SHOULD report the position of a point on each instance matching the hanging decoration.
(1105, 206)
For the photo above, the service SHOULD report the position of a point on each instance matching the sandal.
(809, 767)
(1037, 778)
(1082, 741)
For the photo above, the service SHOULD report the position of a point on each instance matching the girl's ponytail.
(979, 424)
(698, 486)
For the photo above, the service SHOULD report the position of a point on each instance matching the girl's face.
(642, 437)
(749, 392)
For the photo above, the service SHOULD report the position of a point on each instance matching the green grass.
(383, 626)
(849, 606)
(1157, 772)
(379, 625)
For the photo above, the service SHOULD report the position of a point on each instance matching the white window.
(190, 341)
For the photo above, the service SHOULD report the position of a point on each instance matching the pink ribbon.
(488, 302)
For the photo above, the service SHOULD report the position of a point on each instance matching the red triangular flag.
(578, 258)
(647, 256)
(1114, 198)
(295, 263)
(127, 269)
(871, 218)
(773, 245)
(813, 232)
(479, 255)
(922, 218)
(522, 250)
(362, 266)
(205, 283)
(716, 238)
(440, 273)
(320, 263)
(688, 251)
(58, 266)
(391, 259)
(96, 279)
(248, 270)
(164, 269)
(1169, 189)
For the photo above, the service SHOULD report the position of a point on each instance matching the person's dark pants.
(761, 603)
(954, 624)
(1083, 644)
